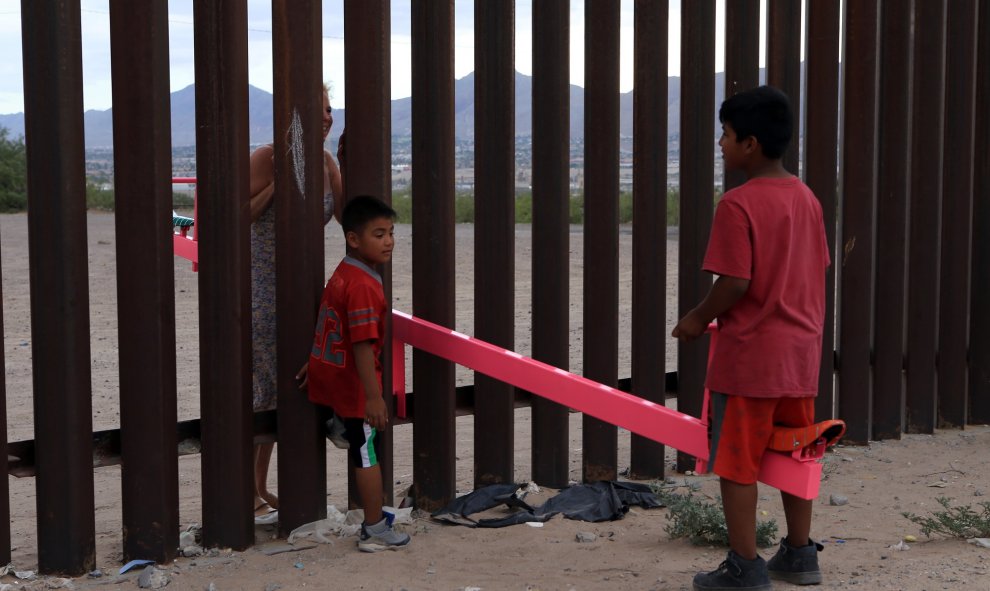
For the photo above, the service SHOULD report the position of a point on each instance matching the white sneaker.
(335, 433)
(381, 536)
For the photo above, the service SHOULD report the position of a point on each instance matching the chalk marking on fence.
(297, 152)
(638, 415)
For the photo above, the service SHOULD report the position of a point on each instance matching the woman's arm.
(336, 185)
(262, 179)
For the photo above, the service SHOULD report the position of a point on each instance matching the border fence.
(889, 104)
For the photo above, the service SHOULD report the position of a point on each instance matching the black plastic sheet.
(599, 501)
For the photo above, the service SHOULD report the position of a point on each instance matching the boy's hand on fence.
(375, 412)
(304, 376)
(689, 328)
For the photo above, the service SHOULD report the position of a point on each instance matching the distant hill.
(99, 124)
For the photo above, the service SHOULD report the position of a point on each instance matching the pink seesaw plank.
(186, 248)
(640, 416)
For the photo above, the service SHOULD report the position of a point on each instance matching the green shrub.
(954, 522)
(97, 198)
(402, 204)
(673, 207)
(183, 201)
(703, 523)
(524, 208)
(13, 173)
(464, 208)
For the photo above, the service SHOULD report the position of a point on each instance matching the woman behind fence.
(263, 292)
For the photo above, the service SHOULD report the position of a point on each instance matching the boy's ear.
(751, 145)
(352, 239)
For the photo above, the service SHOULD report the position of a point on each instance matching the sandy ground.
(880, 480)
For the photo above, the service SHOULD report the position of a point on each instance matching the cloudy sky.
(96, 46)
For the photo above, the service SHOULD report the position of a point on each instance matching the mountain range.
(99, 124)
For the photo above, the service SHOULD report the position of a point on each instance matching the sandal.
(264, 514)
(271, 499)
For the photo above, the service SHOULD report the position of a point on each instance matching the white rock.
(153, 578)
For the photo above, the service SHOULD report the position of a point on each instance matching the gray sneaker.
(380, 536)
(335, 432)
(798, 566)
(735, 572)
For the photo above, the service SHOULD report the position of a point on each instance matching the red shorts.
(739, 430)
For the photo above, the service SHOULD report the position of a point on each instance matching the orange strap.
(816, 438)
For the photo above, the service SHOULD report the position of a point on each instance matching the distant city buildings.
(99, 164)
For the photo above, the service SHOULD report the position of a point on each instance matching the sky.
(95, 23)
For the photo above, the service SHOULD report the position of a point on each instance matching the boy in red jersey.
(769, 250)
(344, 370)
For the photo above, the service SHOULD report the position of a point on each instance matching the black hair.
(763, 113)
(362, 209)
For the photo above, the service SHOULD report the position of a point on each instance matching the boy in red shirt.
(344, 370)
(769, 251)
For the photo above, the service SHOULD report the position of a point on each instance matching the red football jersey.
(770, 231)
(352, 310)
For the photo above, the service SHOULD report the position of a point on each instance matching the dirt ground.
(880, 480)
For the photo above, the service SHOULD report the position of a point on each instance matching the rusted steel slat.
(220, 37)
(551, 194)
(697, 133)
(601, 227)
(957, 203)
(649, 256)
(893, 153)
(298, 105)
(53, 124)
(367, 167)
(820, 165)
(784, 63)
(925, 217)
(859, 183)
(742, 60)
(433, 244)
(494, 260)
(4, 452)
(145, 278)
(979, 322)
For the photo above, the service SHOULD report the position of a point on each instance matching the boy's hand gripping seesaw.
(794, 473)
